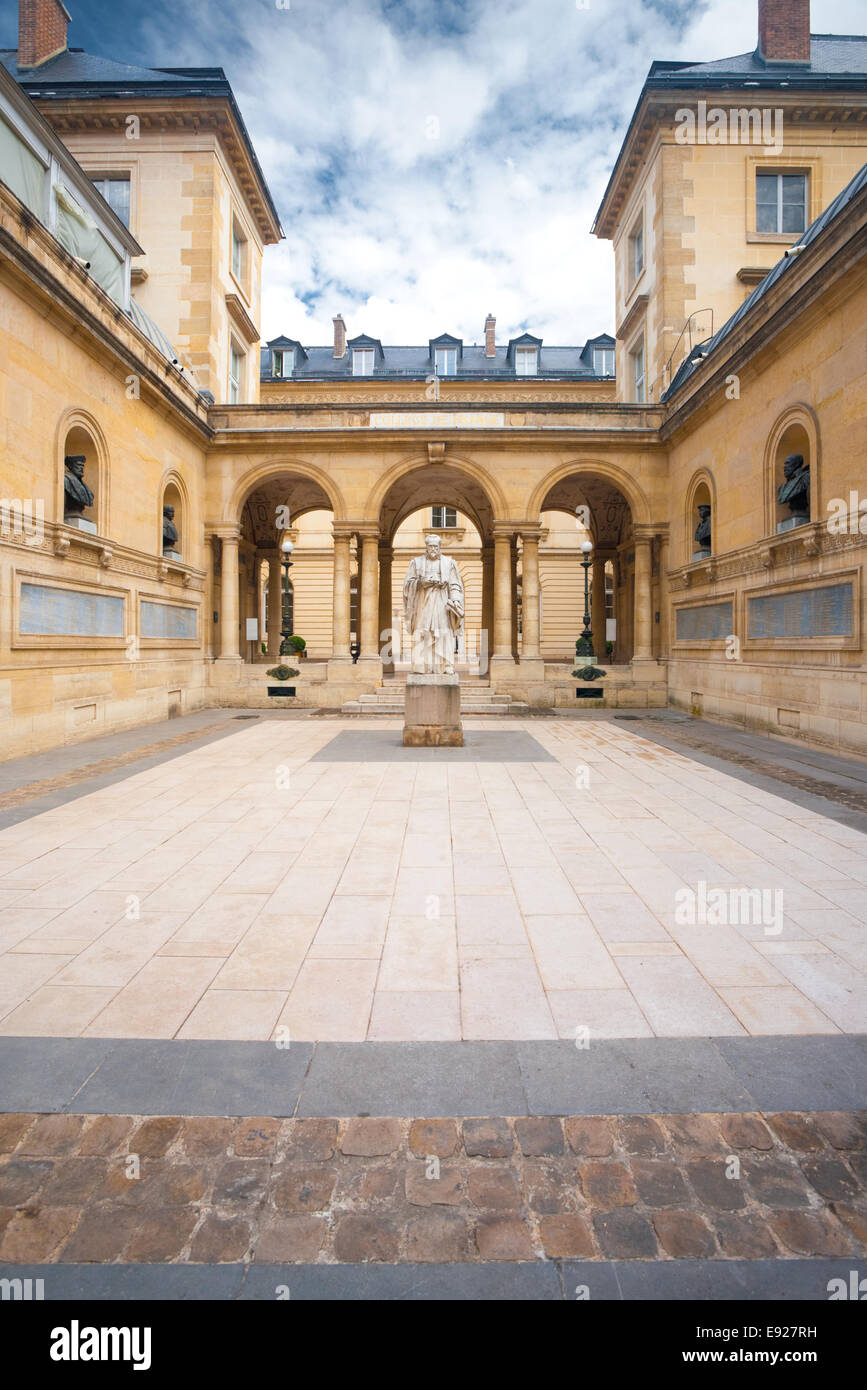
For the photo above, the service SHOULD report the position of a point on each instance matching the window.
(781, 203)
(362, 361)
(236, 369)
(638, 373)
(443, 518)
(603, 361)
(239, 250)
(115, 191)
(636, 250)
(282, 363)
(446, 361)
(526, 359)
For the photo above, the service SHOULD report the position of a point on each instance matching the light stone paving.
(243, 891)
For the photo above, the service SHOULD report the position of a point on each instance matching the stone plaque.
(824, 612)
(69, 613)
(168, 621)
(437, 419)
(704, 622)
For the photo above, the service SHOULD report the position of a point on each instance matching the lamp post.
(286, 627)
(584, 653)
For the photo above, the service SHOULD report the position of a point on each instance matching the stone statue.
(76, 494)
(796, 489)
(170, 530)
(433, 606)
(702, 530)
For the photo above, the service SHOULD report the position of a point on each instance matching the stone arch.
(796, 430)
(701, 489)
(173, 492)
(262, 474)
(612, 473)
(475, 492)
(79, 432)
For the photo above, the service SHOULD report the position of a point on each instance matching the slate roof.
(415, 363)
(815, 229)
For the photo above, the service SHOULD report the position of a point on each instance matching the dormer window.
(446, 361)
(282, 362)
(362, 361)
(603, 361)
(526, 361)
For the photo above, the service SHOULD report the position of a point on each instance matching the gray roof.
(830, 55)
(704, 350)
(415, 363)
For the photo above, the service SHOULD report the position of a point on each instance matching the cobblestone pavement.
(111, 1188)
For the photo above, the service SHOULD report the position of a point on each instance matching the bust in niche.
(794, 492)
(170, 533)
(702, 532)
(77, 496)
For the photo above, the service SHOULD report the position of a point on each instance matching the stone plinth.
(432, 713)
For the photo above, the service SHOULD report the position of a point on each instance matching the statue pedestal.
(790, 522)
(432, 713)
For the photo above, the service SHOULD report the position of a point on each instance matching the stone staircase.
(476, 698)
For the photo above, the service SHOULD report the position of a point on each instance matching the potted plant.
(297, 644)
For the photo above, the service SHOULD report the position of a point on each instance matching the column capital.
(504, 530)
(367, 530)
(531, 532)
(224, 533)
(644, 531)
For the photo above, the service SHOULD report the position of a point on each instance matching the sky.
(432, 161)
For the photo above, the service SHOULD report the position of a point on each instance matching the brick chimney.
(784, 31)
(42, 26)
(339, 336)
(490, 336)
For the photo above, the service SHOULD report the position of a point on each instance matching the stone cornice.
(241, 319)
(638, 308)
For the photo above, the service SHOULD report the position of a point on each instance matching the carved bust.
(76, 494)
(702, 530)
(170, 530)
(795, 491)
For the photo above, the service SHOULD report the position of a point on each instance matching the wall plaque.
(704, 622)
(823, 612)
(47, 611)
(169, 621)
(438, 419)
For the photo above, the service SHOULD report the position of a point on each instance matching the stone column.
(390, 644)
(642, 621)
(597, 605)
(340, 598)
(369, 597)
(664, 633)
(275, 603)
(530, 645)
(502, 653)
(229, 595)
(513, 563)
(486, 635)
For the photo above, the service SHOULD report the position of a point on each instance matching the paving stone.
(73, 1181)
(53, 1134)
(370, 1138)
(206, 1136)
(684, 1235)
(831, 1178)
(796, 1131)
(746, 1132)
(21, 1179)
(488, 1138)
(640, 1134)
(504, 1238)
(306, 1188)
(433, 1137)
(372, 1183)
(241, 1181)
(437, 1237)
(855, 1221)
(607, 1185)
(713, 1188)
(178, 1184)
(551, 1188)
(809, 1233)
(567, 1237)
(12, 1130)
(449, 1189)
(624, 1235)
(32, 1236)
(693, 1132)
(101, 1235)
(312, 1140)
(220, 1240)
(121, 1187)
(161, 1236)
(659, 1183)
(539, 1135)
(591, 1136)
(494, 1187)
(842, 1129)
(256, 1138)
(361, 1238)
(105, 1134)
(155, 1136)
(745, 1236)
(775, 1182)
(290, 1240)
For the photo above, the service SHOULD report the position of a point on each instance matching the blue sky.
(432, 160)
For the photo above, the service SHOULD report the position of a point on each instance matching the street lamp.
(286, 628)
(584, 653)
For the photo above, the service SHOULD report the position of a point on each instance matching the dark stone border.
(541, 1280)
(661, 1076)
(506, 745)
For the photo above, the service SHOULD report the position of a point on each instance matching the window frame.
(283, 354)
(605, 352)
(109, 178)
(446, 353)
(639, 382)
(779, 175)
(445, 524)
(527, 355)
(237, 238)
(236, 382)
(636, 246)
(363, 353)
